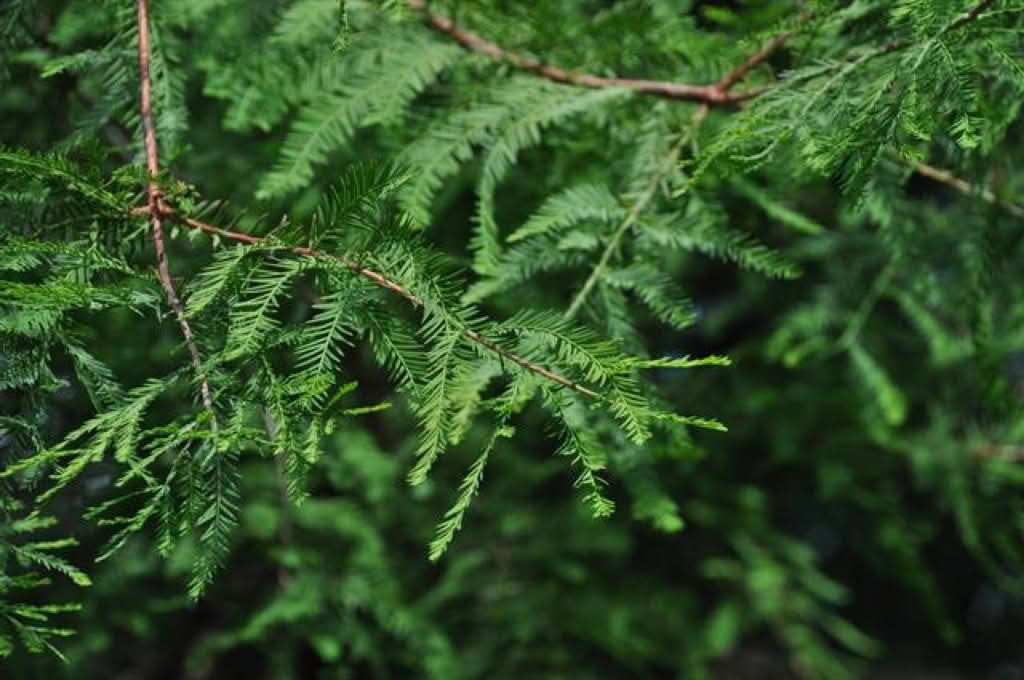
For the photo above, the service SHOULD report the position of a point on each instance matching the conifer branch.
(155, 202)
(712, 94)
(964, 187)
(384, 282)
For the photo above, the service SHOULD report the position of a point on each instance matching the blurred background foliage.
(863, 516)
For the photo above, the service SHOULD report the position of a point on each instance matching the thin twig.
(770, 47)
(969, 16)
(711, 94)
(384, 282)
(155, 202)
(1007, 452)
(965, 187)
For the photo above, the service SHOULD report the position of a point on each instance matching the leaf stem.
(867, 305)
(613, 244)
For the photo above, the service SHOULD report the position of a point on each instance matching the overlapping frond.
(377, 88)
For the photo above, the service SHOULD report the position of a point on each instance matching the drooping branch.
(155, 202)
(384, 282)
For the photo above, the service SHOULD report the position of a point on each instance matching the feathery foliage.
(256, 266)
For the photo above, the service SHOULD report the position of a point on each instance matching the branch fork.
(713, 94)
(157, 207)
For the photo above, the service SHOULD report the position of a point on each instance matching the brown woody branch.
(1006, 452)
(384, 282)
(964, 187)
(969, 15)
(740, 72)
(155, 202)
(712, 94)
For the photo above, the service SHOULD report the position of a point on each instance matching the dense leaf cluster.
(370, 234)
